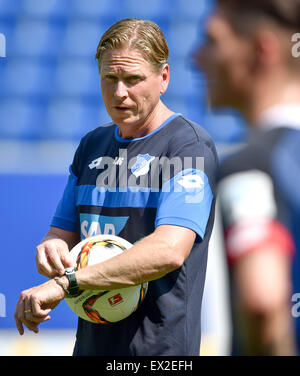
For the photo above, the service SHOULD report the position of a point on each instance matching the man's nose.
(120, 89)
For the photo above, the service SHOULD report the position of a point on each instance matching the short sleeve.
(186, 198)
(65, 216)
(250, 214)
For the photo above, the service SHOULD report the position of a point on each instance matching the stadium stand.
(50, 60)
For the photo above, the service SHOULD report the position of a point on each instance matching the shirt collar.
(285, 115)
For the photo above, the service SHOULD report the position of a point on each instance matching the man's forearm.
(269, 334)
(68, 237)
(147, 260)
(151, 258)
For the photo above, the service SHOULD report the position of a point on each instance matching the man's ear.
(268, 49)
(165, 78)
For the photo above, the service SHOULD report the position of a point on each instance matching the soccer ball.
(104, 306)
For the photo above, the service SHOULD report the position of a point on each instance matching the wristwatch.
(73, 289)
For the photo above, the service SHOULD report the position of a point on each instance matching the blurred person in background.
(248, 61)
(170, 228)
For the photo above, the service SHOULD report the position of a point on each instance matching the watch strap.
(61, 284)
(73, 289)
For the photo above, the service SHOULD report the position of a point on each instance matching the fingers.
(52, 258)
(32, 326)
(30, 321)
(29, 313)
(43, 265)
(18, 317)
(67, 260)
(22, 316)
(55, 261)
(39, 314)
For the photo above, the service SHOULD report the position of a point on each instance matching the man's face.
(225, 58)
(130, 87)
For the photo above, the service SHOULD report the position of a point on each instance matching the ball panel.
(118, 304)
(79, 304)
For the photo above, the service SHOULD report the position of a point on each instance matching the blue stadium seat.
(96, 8)
(191, 9)
(82, 38)
(9, 8)
(102, 116)
(175, 103)
(225, 126)
(71, 118)
(77, 77)
(7, 28)
(182, 78)
(50, 56)
(48, 8)
(36, 37)
(146, 9)
(3, 67)
(64, 118)
(21, 119)
(180, 46)
(27, 77)
(196, 107)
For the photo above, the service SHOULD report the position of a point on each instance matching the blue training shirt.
(128, 187)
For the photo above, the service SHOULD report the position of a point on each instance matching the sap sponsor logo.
(94, 224)
(2, 305)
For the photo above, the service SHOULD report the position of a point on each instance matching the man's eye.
(133, 79)
(110, 77)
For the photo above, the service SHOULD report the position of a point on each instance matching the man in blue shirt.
(148, 177)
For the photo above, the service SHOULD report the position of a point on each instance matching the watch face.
(70, 269)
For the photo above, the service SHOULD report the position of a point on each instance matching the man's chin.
(124, 122)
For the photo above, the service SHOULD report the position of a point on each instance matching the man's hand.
(35, 304)
(52, 258)
(53, 255)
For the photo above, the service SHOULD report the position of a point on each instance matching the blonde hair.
(142, 35)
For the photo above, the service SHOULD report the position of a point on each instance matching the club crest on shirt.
(142, 164)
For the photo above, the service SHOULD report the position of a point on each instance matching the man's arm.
(263, 291)
(151, 258)
(260, 249)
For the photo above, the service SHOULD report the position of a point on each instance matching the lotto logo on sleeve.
(116, 299)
